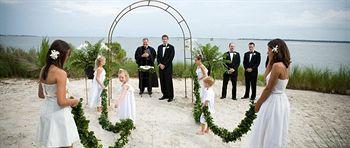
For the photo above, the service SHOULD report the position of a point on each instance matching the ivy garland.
(197, 109)
(124, 126)
(88, 138)
(225, 134)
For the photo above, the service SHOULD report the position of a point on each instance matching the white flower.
(54, 54)
(104, 46)
(82, 46)
(275, 49)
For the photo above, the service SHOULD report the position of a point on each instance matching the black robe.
(142, 61)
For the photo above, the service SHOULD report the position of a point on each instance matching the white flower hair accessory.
(275, 49)
(54, 54)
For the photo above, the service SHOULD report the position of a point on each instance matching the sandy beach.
(316, 119)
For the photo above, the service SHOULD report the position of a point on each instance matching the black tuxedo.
(166, 75)
(231, 63)
(251, 77)
(144, 77)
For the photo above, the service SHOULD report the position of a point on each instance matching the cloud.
(95, 8)
(309, 18)
(10, 1)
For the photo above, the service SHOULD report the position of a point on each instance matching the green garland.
(124, 126)
(87, 138)
(226, 135)
(197, 109)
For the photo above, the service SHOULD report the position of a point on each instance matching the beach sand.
(316, 119)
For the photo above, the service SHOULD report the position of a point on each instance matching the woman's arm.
(275, 72)
(99, 71)
(40, 90)
(61, 81)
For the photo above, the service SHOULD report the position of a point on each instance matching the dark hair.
(63, 48)
(251, 43)
(165, 36)
(199, 57)
(282, 54)
(145, 39)
(229, 44)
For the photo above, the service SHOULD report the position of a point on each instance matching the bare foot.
(200, 133)
(206, 131)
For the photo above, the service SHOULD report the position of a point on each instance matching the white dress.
(199, 75)
(57, 127)
(209, 95)
(126, 107)
(270, 128)
(96, 90)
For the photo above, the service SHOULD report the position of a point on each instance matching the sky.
(287, 19)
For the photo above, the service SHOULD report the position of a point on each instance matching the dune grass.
(321, 80)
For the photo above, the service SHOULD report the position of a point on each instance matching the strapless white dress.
(270, 128)
(57, 127)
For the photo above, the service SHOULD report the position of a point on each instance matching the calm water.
(320, 55)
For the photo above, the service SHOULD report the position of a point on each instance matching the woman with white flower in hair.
(56, 126)
(97, 84)
(270, 129)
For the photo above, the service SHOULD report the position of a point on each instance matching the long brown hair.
(63, 48)
(282, 53)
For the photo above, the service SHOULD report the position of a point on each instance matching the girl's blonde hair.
(122, 71)
(209, 80)
(98, 60)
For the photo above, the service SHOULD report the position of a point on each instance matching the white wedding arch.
(186, 32)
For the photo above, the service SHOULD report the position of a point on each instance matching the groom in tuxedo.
(165, 56)
(251, 62)
(233, 60)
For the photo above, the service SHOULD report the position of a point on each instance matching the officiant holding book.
(145, 56)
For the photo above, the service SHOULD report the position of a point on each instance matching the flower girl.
(125, 103)
(97, 84)
(56, 126)
(207, 100)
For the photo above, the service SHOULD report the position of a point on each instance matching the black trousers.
(250, 81)
(233, 78)
(166, 82)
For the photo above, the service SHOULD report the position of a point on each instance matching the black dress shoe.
(170, 99)
(234, 98)
(222, 97)
(244, 97)
(162, 98)
(150, 93)
(141, 92)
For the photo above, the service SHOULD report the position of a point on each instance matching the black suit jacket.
(168, 57)
(234, 63)
(141, 61)
(253, 63)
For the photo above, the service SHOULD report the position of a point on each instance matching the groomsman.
(251, 62)
(165, 56)
(233, 60)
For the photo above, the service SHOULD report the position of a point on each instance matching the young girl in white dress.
(202, 72)
(207, 100)
(97, 84)
(56, 125)
(125, 103)
(270, 129)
